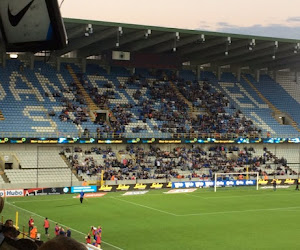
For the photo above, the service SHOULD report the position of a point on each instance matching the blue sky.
(257, 17)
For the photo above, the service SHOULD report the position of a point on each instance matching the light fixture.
(297, 48)
(148, 33)
(229, 40)
(251, 45)
(275, 49)
(119, 33)
(202, 38)
(89, 30)
(13, 55)
(120, 29)
(177, 37)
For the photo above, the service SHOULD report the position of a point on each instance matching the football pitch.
(231, 218)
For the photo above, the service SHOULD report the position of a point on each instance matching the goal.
(232, 179)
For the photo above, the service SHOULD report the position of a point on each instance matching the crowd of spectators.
(216, 120)
(155, 163)
(161, 104)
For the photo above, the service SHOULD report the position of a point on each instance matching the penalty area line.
(242, 211)
(61, 224)
(144, 206)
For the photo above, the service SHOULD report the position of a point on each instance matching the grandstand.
(123, 106)
(145, 91)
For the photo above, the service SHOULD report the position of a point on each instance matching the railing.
(166, 135)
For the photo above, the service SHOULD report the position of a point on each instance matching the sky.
(274, 18)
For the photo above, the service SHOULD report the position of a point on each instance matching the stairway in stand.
(1, 116)
(271, 106)
(181, 96)
(92, 106)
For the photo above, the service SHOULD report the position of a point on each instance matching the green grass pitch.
(232, 218)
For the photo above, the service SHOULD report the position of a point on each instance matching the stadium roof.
(198, 47)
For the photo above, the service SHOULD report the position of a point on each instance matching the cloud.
(225, 24)
(272, 30)
(293, 19)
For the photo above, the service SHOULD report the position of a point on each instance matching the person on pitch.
(81, 196)
(274, 184)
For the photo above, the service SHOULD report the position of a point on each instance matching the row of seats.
(24, 98)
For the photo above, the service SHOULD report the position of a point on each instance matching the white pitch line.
(234, 196)
(62, 225)
(140, 205)
(239, 211)
(13, 202)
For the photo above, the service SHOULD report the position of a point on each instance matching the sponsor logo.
(140, 186)
(43, 191)
(189, 184)
(240, 183)
(277, 181)
(66, 190)
(97, 195)
(230, 183)
(105, 188)
(220, 183)
(123, 187)
(262, 182)
(178, 191)
(15, 19)
(156, 185)
(178, 184)
(209, 183)
(136, 193)
(169, 185)
(2, 193)
(14, 193)
(31, 192)
(85, 189)
(250, 183)
(199, 184)
(289, 181)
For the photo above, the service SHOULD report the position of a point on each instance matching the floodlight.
(13, 55)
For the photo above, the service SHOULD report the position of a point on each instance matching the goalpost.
(245, 180)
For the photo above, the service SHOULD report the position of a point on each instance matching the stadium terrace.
(142, 124)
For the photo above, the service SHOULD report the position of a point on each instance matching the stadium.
(173, 138)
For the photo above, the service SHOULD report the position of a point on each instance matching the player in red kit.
(30, 224)
(88, 239)
(56, 230)
(46, 226)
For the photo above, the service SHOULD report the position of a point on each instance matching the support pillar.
(219, 73)
(108, 69)
(297, 77)
(238, 74)
(3, 59)
(31, 61)
(275, 75)
(58, 64)
(83, 65)
(132, 71)
(257, 75)
(198, 72)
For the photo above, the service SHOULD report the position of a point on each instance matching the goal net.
(236, 179)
